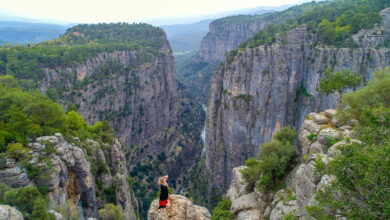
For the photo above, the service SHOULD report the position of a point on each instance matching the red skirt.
(163, 204)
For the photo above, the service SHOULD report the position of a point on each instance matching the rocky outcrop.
(301, 183)
(227, 33)
(183, 208)
(267, 87)
(10, 213)
(69, 171)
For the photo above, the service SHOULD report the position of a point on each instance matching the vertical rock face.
(137, 97)
(78, 174)
(223, 37)
(266, 88)
(136, 91)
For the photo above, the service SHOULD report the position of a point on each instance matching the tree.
(361, 187)
(111, 212)
(338, 81)
(273, 161)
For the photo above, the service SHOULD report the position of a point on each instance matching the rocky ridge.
(69, 172)
(183, 208)
(301, 182)
(268, 87)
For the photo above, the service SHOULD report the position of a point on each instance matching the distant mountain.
(27, 32)
(196, 18)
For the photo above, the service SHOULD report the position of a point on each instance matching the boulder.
(9, 213)
(183, 208)
(317, 147)
(318, 118)
(245, 202)
(283, 208)
(238, 185)
(311, 126)
(304, 184)
(252, 214)
(326, 133)
(330, 113)
(303, 142)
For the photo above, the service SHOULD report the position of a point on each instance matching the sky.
(94, 11)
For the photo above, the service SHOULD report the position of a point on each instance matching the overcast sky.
(93, 11)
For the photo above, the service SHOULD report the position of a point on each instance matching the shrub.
(110, 193)
(29, 201)
(252, 173)
(111, 212)
(17, 151)
(222, 211)
(311, 136)
(338, 81)
(360, 189)
(275, 160)
(286, 136)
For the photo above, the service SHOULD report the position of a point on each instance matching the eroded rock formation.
(301, 182)
(267, 87)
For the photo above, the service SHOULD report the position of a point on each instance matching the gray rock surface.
(244, 202)
(9, 213)
(14, 176)
(301, 182)
(69, 176)
(256, 94)
(183, 208)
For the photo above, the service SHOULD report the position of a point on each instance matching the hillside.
(18, 32)
(122, 73)
(76, 172)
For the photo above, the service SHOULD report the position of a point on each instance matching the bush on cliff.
(111, 212)
(361, 187)
(27, 115)
(274, 161)
(28, 200)
(222, 211)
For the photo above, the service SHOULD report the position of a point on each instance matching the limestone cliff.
(79, 176)
(136, 91)
(224, 35)
(301, 182)
(267, 87)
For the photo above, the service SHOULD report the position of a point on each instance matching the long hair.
(160, 179)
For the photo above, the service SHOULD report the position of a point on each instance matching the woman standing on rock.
(164, 194)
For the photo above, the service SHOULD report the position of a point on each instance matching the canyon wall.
(267, 87)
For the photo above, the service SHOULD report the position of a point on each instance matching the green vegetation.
(77, 45)
(334, 22)
(290, 216)
(30, 114)
(360, 190)
(222, 211)
(28, 200)
(274, 161)
(311, 136)
(111, 212)
(338, 82)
